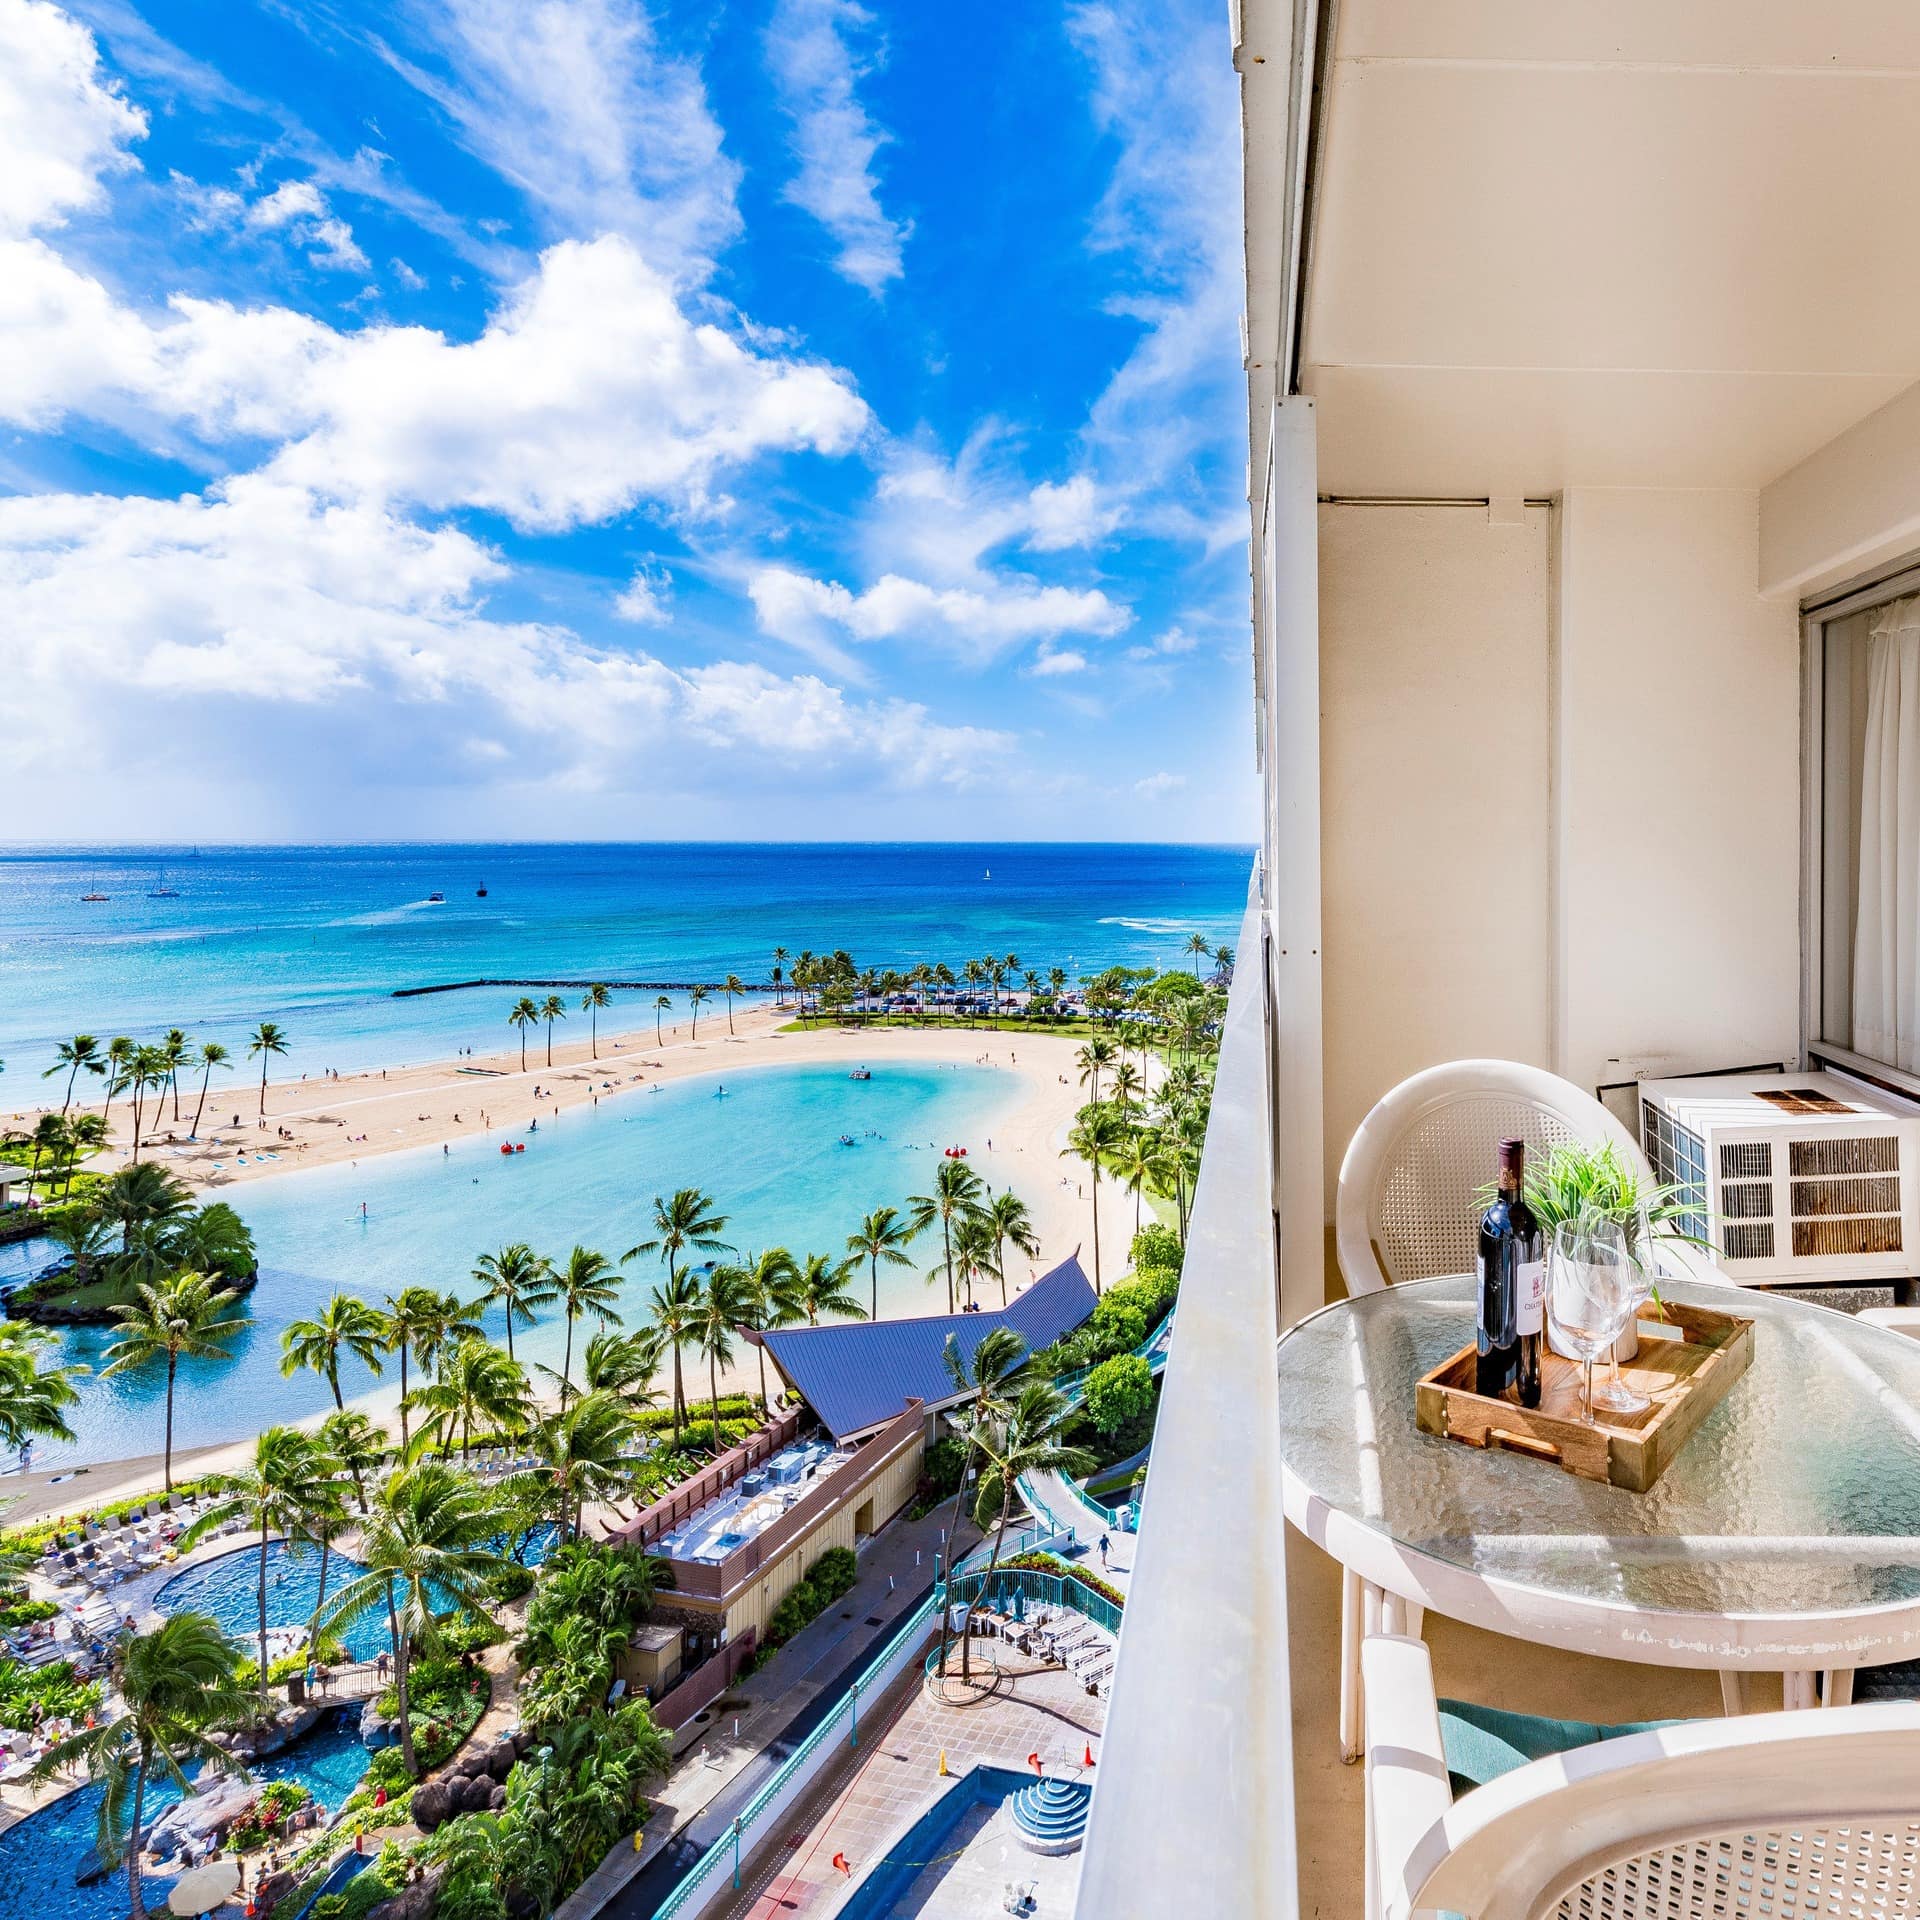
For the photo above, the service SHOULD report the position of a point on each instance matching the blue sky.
(580, 418)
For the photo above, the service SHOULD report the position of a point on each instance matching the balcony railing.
(1193, 1799)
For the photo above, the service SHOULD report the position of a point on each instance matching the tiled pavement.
(857, 1814)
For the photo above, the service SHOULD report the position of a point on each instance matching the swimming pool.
(40, 1856)
(228, 1588)
(769, 1152)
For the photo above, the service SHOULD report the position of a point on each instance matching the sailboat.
(989, 873)
(160, 890)
(480, 892)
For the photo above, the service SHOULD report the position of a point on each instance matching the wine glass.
(1613, 1393)
(1590, 1291)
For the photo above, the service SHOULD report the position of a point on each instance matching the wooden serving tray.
(1686, 1365)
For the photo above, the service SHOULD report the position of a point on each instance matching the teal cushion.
(1482, 1743)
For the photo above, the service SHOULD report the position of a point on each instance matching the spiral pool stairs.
(1050, 1816)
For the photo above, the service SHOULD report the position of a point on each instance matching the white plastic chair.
(1405, 1208)
(1775, 1816)
(1405, 1211)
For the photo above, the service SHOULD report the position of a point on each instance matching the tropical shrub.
(53, 1689)
(1067, 1570)
(24, 1613)
(1157, 1249)
(834, 1573)
(1118, 1392)
(798, 1609)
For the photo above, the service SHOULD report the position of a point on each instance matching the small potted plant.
(1600, 1182)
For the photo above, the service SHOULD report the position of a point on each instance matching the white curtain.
(1886, 943)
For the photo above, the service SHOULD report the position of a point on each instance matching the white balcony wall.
(1560, 791)
(1435, 655)
(1677, 945)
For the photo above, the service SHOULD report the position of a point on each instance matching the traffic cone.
(840, 1865)
(1033, 1760)
(1086, 1759)
(943, 1763)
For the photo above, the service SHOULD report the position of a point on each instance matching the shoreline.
(424, 1107)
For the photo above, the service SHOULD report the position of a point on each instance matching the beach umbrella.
(201, 1889)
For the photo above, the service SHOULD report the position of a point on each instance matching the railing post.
(736, 1853)
(854, 1696)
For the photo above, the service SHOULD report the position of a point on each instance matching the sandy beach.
(320, 1121)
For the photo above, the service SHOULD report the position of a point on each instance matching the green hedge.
(24, 1613)
(832, 1575)
(1066, 1570)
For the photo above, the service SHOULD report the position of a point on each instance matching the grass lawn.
(857, 1021)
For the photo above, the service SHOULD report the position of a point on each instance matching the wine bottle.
(1511, 1288)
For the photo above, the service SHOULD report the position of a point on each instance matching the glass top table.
(1785, 1536)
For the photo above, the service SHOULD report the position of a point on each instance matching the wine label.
(1529, 1295)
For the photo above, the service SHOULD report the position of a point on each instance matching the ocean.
(215, 939)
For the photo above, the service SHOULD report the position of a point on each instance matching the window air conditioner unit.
(1790, 1177)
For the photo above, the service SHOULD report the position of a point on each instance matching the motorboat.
(435, 899)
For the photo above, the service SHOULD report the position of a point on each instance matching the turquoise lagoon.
(768, 1148)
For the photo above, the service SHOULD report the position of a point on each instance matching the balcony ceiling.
(1610, 242)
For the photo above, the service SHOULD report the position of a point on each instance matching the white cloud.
(1053, 662)
(577, 103)
(1157, 786)
(588, 392)
(1169, 428)
(412, 281)
(63, 128)
(1175, 640)
(644, 600)
(810, 51)
(1068, 515)
(307, 646)
(296, 207)
(977, 623)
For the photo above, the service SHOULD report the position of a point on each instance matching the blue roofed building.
(858, 1375)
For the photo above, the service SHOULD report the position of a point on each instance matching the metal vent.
(1747, 1160)
(1747, 1200)
(1847, 1153)
(1814, 1198)
(1818, 1237)
(1748, 1243)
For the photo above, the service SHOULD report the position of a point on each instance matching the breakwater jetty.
(612, 986)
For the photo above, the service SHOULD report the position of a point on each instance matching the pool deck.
(862, 1814)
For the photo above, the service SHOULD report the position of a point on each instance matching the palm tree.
(418, 1323)
(1091, 1059)
(726, 1302)
(1197, 946)
(1024, 1439)
(185, 1316)
(595, 997)
(149, 1069)
(478, 1387)
(142, 1198)
(988, 1380)
(779, 961)
(956, 1192)
(119, 1056)
(87, 1133)
(730, 987)
(344, 1325)
(1009, 1220)
(661, 1002)
(177, 1687)
(84, 1238)
(822, 1288)
(282, 1483)
(1138, 1162)
(1125, 1085)
(882, 1235)
(586, 1284)
(83, 1050)
(1096, 1138)
(174, 1049)
(359, 1445)
(552, 1008)
(974, 1252)
(31, 1395)
(49, 1138)
(687, 1220)
(324, 1519)
(424, 1548)
(696, 999)
(767, 1284)
(672, 1308)
(517, 1279)
(524, 1015)
(266, 1040)
(582, 1456)
(212, 1054)
(622, 1364)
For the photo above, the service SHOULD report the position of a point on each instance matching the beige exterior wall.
(1560, 792)
(1434, 689)
(753, 1606)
